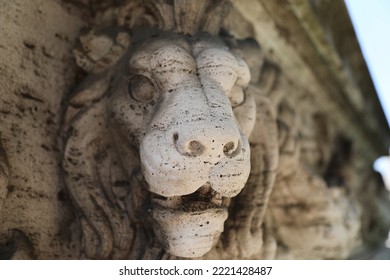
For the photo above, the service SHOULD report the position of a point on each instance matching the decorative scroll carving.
(176, 106)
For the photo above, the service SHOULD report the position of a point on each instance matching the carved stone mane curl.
(180, 16)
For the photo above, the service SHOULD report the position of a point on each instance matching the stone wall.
(37, 72)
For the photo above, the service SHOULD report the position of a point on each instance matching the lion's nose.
(215, 143)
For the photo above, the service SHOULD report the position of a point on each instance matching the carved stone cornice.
(315, 46)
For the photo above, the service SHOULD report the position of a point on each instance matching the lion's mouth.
(203, 199)
(190, 225)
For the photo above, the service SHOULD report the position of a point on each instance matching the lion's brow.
(141, 60)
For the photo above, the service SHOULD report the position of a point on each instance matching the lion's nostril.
(232, 149)
(228, 149)
(195, 148)
(213, 149)
(191, 148)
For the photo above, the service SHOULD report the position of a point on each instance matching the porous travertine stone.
(173, 139)
(177, 106)
(36, 71)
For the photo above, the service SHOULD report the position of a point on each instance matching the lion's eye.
(141, 88)
(236, 96)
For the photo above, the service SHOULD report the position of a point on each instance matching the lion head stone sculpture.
(157, 132)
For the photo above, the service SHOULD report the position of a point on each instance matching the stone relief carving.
(157, 134)
(180, 141)
(310, 216)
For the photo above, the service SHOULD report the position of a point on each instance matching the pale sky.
(371, 19)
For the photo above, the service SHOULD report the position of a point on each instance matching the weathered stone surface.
(132, 152)
(36, 73)
(173, 100)
(329, 135)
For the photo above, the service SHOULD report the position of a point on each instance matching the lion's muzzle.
(180, 108)
(193, 158)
